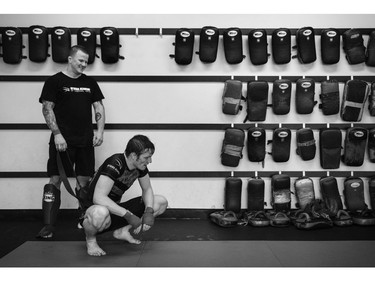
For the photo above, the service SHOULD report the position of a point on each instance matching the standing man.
(68, 98)
(114, 177)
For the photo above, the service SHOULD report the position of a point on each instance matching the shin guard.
(51, 204)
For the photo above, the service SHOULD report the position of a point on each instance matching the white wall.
(156, 102)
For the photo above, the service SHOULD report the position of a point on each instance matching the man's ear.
(133, 156)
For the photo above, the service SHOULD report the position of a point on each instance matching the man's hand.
(148, 220)
(98, 139)
(60, 143)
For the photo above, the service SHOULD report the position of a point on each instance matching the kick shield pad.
(233, 191)
(110, 44)
(257, 39)
(330, 140)
(330, 97)
(38, 43)
(371, 102)
(257, 98)
(370, 51)
(305, 39)
(232, 147)
(184, 46)
(354, 194)
(86, 37)
(61, 43)
(255, 194)
(305, 193)
(281, 144)
(281, 198)
(256, 144)
(233, 49)
(208, 44)
(355, 146)
(306, 145)
(281, 95)
(232, 96)
(354, 98)
(305, 95)
(330, 194)
(12, 45)
(353, 46)
(330, 46)
(281, 45)
(371, 146)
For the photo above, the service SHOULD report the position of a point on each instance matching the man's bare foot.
(124, 234)
(93, 248)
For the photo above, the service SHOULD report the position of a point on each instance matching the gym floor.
(187, 243)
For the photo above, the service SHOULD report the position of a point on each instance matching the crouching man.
(110, 182)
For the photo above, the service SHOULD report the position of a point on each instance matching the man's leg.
(97, 219)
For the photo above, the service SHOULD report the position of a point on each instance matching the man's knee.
(98, 216)
(160, 205)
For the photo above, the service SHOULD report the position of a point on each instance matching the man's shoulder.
(115, 162)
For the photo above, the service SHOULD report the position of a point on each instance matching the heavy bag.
(257, 98)
(354, 194)
(370, 51)
(256, 144)
(281, 45)
(371, 101)
(257, 39)
(305, 95)
(281, 144)
(233, 143)
(306, 145)
(183, 46)
(354, 98)
(305, 39)
(304, 188)
(355, 51)
(110, 44)
(355, 146)
(233, 190)
(330, 140)
(330, 46)
(281, 95)
(208, 44)
(281, 198)
(371, 189)
(330, 194)
(371, 145)
(232, 96)
(330, 97)
(86, 37)
(255, 194)
(38, 43)
(12, 45)
(233, 45)
(61, 43)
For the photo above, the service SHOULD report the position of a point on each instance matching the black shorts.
(82, 158)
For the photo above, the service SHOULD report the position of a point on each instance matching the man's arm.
(50, 118)
(148, 199)
(100, 121)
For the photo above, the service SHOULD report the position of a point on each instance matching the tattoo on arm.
(50, 117)
(98, 116)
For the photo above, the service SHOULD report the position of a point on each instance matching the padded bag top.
(110, 44)
(184, 46)
(232, 96)
(370, 51)
(257, 98)
(61, 43)
(330, 97)
(305, 39)
(86, 37)
(258, 46)
(354, 98)
(330, 46)
(233, 45)
(12, 45)
(38, 43)
(281, 45)
(305, 95)
(208, 44)
(281, 95)
(353, 46)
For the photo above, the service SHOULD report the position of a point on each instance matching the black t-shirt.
(115, 168)
(73, 100)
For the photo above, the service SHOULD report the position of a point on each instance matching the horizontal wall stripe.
(179, 126)
(216, 174)
(172, 31)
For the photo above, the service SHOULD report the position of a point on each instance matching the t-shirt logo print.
(76, 90)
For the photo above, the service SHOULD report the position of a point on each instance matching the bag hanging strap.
(63, 175)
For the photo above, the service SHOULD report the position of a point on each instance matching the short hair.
(74, 49)
(138, 145)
